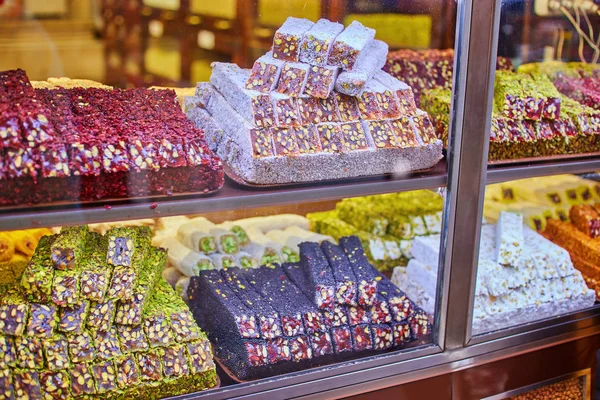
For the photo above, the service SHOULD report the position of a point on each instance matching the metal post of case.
(475, 64)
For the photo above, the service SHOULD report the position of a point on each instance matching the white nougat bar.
(426, 249)
(509, 238)
(549, 259)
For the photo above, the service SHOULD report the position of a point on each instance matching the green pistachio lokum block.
(8, 355)
(56, 352)
(316, 218)
(123, 243)
(30, 353)
(14, 312)
(157, 325)
(200, 355)
(95, 275)
(132, 338)
(107, 344)
(359, 212)
(36, 280)
(508, 95)
(437, 103)
(68, 247)
(82, 380)
(65, 287)
(150, 365)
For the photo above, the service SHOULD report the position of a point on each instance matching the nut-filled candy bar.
(293, 79)
(341, 339)
(122, 246)
(107, 344)
(347, 107)
(257, 352)
(105, 375)
(335, 316)
(509, 95)
(403, 92)
(122, 283)
(81, 347)
(287, 39)
(348, 45)
(382, 336)
(314, 110)
(200, 354)
(358, 315)
(7, 352)
(361, 337)
(509, 238)
(6, 383)
(72, 318)
(320, 81)
(366, 276)
(26, 384)
(345, 287)
(56, 352)
(101, 314)
(419, 324)
(65, 287)
(353, 136)
(317, 41)
(265, 74)
(285, 142)
(307, 140)
(42, 320)
(286, 110)
(55, 384)
(331, 138)
(14, 313)
(320, 277)
(68, 247)
(150, 366)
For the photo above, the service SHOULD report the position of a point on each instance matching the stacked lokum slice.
(385, 224)
(329, 307)
(96, 143)
(317, 106)
(517, 282)
(92, 316)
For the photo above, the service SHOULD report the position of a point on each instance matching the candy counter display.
(91, 316)
(317, 107)
(89, 143)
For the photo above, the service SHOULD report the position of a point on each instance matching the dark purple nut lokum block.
(320, 276)
(404, 131)
(20, 163)
(42, 320)
(287, 39)
(56, 351)
(336, 316)
(349, 44)
(551, 108)
(317, 41)
(347, 107)
(132, 338)
(366, 275)
(382, 336)
(382, 134)
(341, 339)
(321, 343)
(401, 333)
(129, 312)
(26, 385)
(419, 324)
(65, 288)
(285, 142)
(30, 352)
(8, 356)
(121, 283)
(150, 366)
(257, 352)
(36, 127)
(184, 327)
(101, 315)
(265, 74)
(361, 336)
(81, 347)
(291, 324)
(300, 348)
(286, 110)
(400, 307)
(55, 384)
(320, 81)
(201, 355)
(120, 248)
(127, 373)
(82, 381)
(278, 350)
(262, 143)
(353, 136)
(107, 343)
(380, 312)
(72, 318)
(307, 140)
(293, 79)
(10, 131)
(93, 284)
(358, 315)
(54, 160)
(7, 391)
(368, 106)
(105, 376)
(158, 331)
(331, 138)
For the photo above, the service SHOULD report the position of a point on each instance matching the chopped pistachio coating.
(56, 350)
(127, 371)
(68, 247)
(107, 344)
(175, 361)
(132, 338)
(42, 320)
(29, 352)
(72, 318)
(7, 352)
(55, 384)
(105, 376)
(150, 365)
(82, 381)
(81, 347)
(26, 385)
(101, 315)
(37, 277)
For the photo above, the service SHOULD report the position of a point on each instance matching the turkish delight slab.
(345, 292)
(317, 41)
(293, 79)
(370, 60)
(366, 275)
(320, 276)
(509, 238)
(349, 44)
(286, 110)
(320, 81)
(403, 92)
(265, 74)
(287, 39)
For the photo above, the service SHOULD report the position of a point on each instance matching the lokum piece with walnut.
(316, 42)
(265, 74)
(287, 39)
(349, 44)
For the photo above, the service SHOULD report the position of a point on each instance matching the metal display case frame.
(467, 173)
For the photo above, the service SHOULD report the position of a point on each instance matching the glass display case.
(285, 199)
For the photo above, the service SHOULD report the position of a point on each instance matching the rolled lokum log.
(370, 61)
(187, 261)
(349, 44)
(245, 260)
(316, 42)
(196, 236)
(227, 241)
(181, 287)
(238, 230)
(223, 261)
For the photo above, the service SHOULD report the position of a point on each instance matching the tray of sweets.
(543, 159)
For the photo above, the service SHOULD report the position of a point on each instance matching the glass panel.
(261, 126)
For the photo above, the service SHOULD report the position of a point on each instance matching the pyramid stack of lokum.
(317, 106)
(92, 316)
(530, 118)
(522, 277)
(427, 69)
(94, 143)
(581, 238)
(386, 224)
(330, 306)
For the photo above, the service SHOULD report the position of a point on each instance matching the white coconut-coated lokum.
(287, 39)
(317, 41)
(370, 60)
(349, 44)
